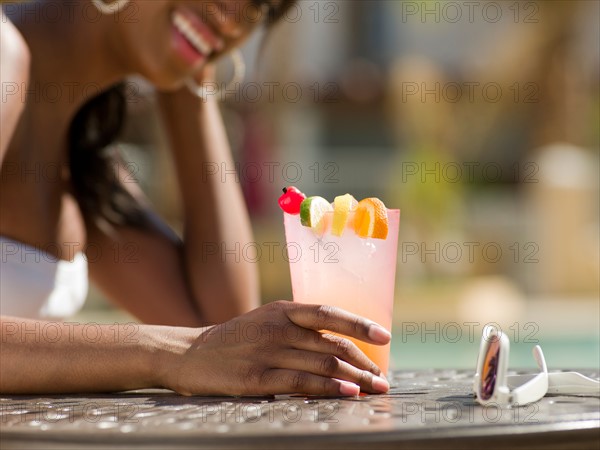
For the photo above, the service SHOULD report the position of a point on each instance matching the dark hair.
(94, 161)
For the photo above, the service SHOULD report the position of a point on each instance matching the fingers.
(286, 381)
(207, 74)
(332, 367)
(340, 347)
(323, 317)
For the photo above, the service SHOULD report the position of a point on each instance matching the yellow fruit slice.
(371, 219)
(342, 205)
(312, 211)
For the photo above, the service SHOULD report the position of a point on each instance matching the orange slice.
(371, 219)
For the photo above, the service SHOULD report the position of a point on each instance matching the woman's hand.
(278, 349)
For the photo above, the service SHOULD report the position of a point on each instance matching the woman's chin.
(176, 79)
(170, 83)
(171, 86)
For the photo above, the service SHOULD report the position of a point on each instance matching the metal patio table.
(423, 410)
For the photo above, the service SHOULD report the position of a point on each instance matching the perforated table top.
(424, 409)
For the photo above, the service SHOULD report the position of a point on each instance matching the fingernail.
(379, 334)
(347, 388)
(379, 384)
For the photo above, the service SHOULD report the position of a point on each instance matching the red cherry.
(291, 199)
(292, 189)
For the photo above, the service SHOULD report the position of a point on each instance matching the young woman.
(60, 198)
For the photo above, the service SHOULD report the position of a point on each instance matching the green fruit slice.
(312, 211)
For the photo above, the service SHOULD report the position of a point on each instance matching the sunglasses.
(492, 385)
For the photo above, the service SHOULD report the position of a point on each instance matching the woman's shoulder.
(14, 51)
(15, 60)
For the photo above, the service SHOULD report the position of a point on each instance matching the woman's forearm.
(62, 357)
(286, 355)
(217, 226)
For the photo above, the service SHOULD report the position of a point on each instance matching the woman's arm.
(14, 75)
(217, 227)
(202, 279)
(55, 357)
(271, 350)
(143, 270)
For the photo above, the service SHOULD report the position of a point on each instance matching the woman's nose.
(233, 17)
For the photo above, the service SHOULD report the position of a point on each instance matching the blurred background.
(479, 120)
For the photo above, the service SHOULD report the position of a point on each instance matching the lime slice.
(342, 205)
(312, 211)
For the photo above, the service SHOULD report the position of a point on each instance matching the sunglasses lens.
(489, 371)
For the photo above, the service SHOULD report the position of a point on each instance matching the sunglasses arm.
(534, 388)
(566, 383)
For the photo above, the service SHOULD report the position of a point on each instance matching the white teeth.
(186, 28)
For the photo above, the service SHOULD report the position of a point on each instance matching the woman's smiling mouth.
(194, 39)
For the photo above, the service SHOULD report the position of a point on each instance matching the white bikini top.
(34, 284)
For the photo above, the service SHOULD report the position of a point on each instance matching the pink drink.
(353, 273)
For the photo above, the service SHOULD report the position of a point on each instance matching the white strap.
(535, 388)
(567, 383)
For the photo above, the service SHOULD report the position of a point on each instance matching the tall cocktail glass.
(350, 272)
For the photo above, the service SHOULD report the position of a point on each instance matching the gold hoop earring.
(239, 73)
(110, 8)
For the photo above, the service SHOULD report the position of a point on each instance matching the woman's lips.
(193, 39)
(185, 49)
